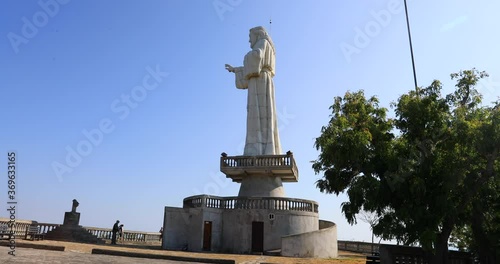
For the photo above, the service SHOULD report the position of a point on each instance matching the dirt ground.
(344, 257)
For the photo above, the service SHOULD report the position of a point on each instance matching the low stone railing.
(357, 246)
(21, 226)
(270, 203)
(107, 233)
(46, 227)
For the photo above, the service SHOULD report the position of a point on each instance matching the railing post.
(203, 201)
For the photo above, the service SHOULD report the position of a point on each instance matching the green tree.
(481, 233)
(420, 172)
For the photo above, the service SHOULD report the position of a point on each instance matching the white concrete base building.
(249, 224)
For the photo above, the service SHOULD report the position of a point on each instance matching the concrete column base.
(261, 186)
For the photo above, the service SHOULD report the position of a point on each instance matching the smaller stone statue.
(75, 205)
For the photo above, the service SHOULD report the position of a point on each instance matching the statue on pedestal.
(256, 75)
(72, 218)
(71, 230)
(262, 138)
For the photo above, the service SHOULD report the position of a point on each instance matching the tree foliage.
(425, 172)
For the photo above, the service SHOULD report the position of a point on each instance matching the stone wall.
(392, 254)
(214, 216)
(320, 244)
(239, 222)
(232, 229)
(175, 228)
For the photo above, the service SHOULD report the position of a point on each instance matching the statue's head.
(258, 33)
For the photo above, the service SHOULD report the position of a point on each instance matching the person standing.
(120, 232)
(114, 231)
(161, 233)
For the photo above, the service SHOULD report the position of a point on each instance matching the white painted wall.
(319, 244)
(295, 232)
(175, 231)
(237, 230)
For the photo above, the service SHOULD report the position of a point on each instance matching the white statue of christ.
(256, 75)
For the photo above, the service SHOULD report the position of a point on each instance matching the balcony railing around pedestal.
(258, 161)
(237, 167)
(269, 203)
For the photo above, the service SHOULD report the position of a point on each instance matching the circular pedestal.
(261, 186)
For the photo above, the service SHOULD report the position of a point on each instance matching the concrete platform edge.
(34, 246)
(154, 256)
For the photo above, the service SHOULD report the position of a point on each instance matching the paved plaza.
(81, 253)
(28, 255)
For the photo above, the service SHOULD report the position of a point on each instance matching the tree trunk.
(441, 244)
(484, 247)
(372, 242)
(441, 254)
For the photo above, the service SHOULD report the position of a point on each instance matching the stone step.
(72, 234)
(273, 252)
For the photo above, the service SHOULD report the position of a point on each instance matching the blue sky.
(71, 70)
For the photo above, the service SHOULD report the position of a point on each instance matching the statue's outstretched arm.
(229, 68)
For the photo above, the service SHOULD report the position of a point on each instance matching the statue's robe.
(256, 75)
